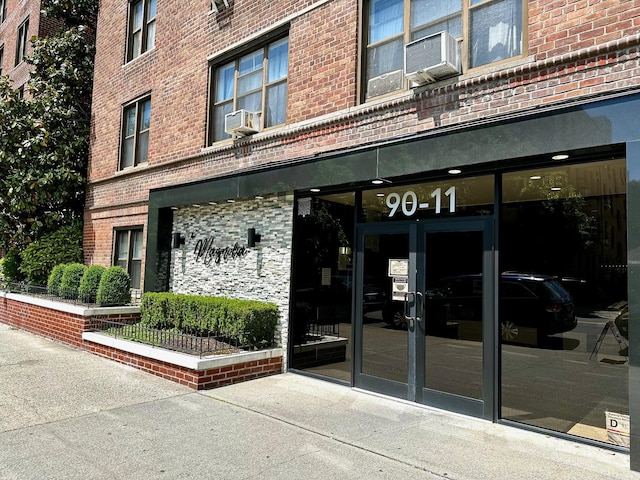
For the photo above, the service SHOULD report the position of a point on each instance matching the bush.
(251, 322)
(62, 246)
(11, 267)
(114, 287)
(90, 282)
(55, 278)
(70, 281)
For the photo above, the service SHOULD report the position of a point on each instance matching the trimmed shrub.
(114, 287)
(90, 282)
(251, 322)
(11, 266)
(62, 246)
(55, 278)
(70, 281)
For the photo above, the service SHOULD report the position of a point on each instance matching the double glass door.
(424, 322)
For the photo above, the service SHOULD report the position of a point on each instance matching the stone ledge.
(191, 362)
(81, 310)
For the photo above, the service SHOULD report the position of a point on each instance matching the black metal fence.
(323, 329)
(202, 345)
(68, 295)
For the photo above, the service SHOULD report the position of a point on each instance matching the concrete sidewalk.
(65, 413)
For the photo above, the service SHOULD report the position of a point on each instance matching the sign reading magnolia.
(206, 252)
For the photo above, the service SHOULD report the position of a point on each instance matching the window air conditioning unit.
(242, 122)
(219, 5)
(385, 83)
(431, 58)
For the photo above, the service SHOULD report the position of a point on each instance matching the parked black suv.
(529, 302)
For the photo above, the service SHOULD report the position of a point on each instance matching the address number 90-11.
(410, 204)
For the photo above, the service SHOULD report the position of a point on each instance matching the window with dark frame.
(136, 120)
(22, 41)
(1, 57)
(128, 253)
(255, 81)
(3, 10)
(487, 30)
(142, 27)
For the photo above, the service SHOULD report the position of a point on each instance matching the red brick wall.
(205, 380)
(68, 328)
(576, 48)
(17, 12)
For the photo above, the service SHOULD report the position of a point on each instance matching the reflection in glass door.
(424, 291)
(453, 313)
(384, 336)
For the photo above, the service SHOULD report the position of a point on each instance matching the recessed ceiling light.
(379, 194)
(377, 181)
(315, 190)
(560, 156)
(555, 189)
(259, 197)
(213, 203)
(231, 201)
(455, 171)
(174, 208)
(535, 177)
(196, 205)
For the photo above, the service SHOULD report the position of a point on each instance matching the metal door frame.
(413, 389)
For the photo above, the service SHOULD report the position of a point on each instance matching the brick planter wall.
(72, 325)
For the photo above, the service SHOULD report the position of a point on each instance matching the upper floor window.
(487, 30)
(255, 81)
(136, 120)
(142, 27)
(3, 10)
(22, 41)
(128, 253)
(1, 57)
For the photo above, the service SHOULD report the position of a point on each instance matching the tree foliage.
(44, 136)
(63, 245)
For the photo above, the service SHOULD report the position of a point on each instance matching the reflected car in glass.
(532, 307)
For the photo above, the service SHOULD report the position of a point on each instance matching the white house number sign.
(410, 204)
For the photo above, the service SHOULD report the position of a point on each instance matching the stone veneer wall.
(263, 273)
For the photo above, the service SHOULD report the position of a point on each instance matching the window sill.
(492, 68)
(142, 55)
(131, 169)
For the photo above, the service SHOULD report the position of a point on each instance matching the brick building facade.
(354, 171)
(19, 21)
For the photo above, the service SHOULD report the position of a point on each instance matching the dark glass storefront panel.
(446, 198)
(453, 312)
(563, 299)
(321, 332)
(384, 334)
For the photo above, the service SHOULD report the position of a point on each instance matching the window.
(1, 57)
(3, 10)
(128, 253)
(135, 133)
(142, 27)
(22, 41)
(489, 31)
(255, 81)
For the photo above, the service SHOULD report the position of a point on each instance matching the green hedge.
(70, 281)
(90, 283)
(251, 321)
(55, 278)
(114, 287)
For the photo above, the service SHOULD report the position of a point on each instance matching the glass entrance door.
(425, 313)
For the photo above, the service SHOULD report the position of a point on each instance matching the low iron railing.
(67, 296)
(201, 344)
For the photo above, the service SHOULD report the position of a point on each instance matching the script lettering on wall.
(208, 253)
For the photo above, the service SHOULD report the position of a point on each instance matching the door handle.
(419, 311)
(410, 319)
